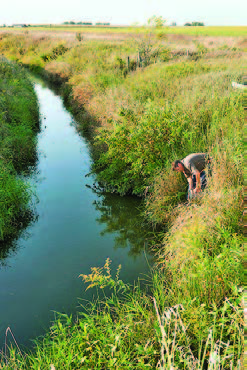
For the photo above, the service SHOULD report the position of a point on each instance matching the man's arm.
(190, 181)
(198, 182)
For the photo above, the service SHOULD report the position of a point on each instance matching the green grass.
(133, 329)
(19, 122)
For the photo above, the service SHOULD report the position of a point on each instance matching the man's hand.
(198, 182)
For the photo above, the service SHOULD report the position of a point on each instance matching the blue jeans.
(203, 183)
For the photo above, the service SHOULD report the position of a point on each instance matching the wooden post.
(140, 60)
(128, 63)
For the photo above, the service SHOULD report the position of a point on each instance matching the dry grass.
(60, 70)
(176, 38)
(202, 247)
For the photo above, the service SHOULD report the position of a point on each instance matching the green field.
(233, 31)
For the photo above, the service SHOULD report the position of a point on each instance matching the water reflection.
(9, 247)
(25, 171)
(121, 216)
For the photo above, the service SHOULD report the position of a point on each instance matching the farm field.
(176, 38)
(143, 102)
(233, 31)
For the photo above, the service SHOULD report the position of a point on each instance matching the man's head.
(178, 166)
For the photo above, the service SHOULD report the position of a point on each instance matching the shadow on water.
(9, 247)
(26, 218)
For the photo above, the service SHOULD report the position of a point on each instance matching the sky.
(124, 12)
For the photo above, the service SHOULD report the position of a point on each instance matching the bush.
(58, 50)
(79, 36)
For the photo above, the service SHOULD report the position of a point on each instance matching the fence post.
(140, 60)
(128, 63)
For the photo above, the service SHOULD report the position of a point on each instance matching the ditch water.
(76, 228)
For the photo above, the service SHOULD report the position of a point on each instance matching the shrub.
(58, 50)
(79, 36)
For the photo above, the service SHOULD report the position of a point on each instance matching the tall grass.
(136, 329)
(19, 122)
(162, 117)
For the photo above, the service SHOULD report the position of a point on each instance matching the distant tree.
(173, 24)
(194, 24)
(71, 22)
(102, 24)
(157, 22)
(197, 24)
(84, 23)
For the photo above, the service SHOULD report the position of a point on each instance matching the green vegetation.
(217, 31)
(134, 329)
(18, 124)
(140, 119)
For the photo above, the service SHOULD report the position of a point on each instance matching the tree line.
(87, 23)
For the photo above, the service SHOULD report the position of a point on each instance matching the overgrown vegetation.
(191, 316)
(18, 124)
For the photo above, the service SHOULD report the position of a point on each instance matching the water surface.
(76, 228)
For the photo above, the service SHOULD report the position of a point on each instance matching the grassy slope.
(19, 118)
(146, 120)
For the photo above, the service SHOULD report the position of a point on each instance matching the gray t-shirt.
(194, 162)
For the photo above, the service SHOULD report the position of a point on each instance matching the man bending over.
(193, 167)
